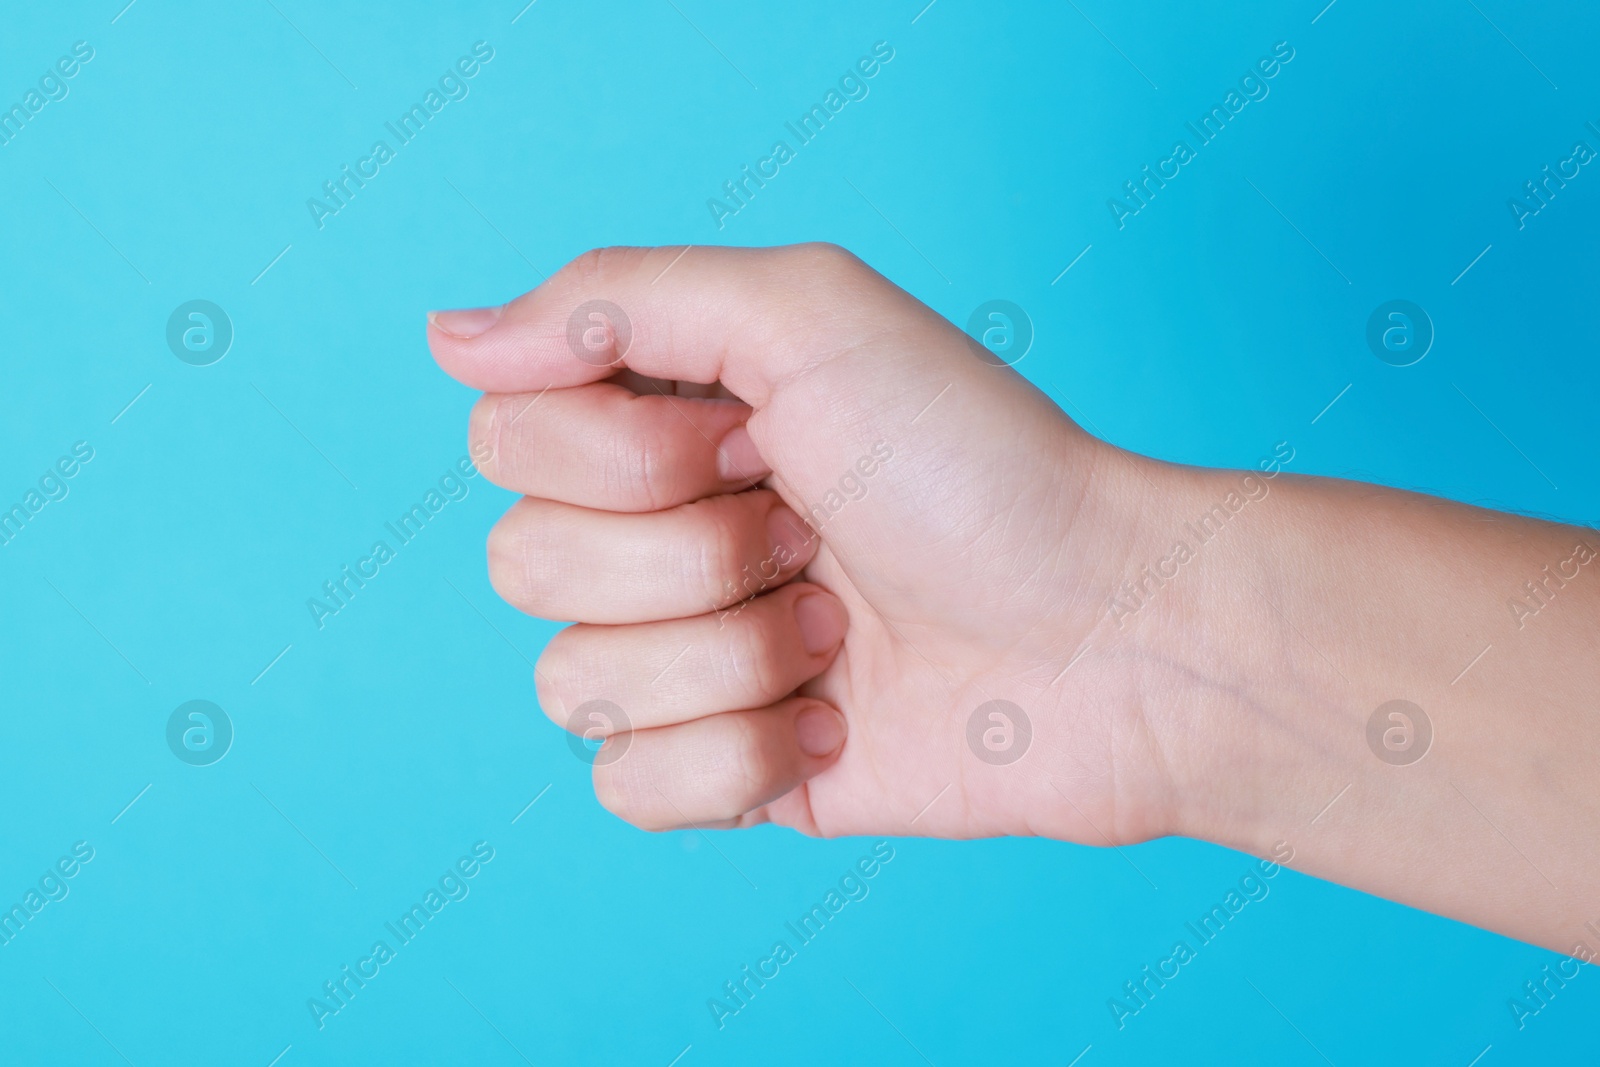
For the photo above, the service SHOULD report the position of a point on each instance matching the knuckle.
(487, 432)
(659, 460)
(500, 558)
(618, 470)
(599, 265)
(750, 763)
(586, 266)
(518, 569)
(722, 551)
(651, 460)
(825, 257)
(833, 274)
(613, 793)
(554, 678)
(639, 466)
(749, 666)
(825, 276)
(578, 666)
(623, 789)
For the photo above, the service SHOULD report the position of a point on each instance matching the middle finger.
(559, 561)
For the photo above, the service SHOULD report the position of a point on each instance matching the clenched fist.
(829, 562)
(832, 565)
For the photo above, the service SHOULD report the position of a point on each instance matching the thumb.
(747, 317)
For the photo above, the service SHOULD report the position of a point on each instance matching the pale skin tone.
(823, 677)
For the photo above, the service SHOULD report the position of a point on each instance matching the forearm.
(1332, 599)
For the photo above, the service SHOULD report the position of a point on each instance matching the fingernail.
(822, 621)
(737, 458)
(466, 323)
(789, 534)
(819, 730)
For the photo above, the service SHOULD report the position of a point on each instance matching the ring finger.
(662, 673)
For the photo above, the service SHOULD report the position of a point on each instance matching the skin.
(819, 668)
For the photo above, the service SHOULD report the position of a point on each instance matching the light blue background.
(406, 730)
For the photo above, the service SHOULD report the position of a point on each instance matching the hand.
(807, 530)
(1178, 654)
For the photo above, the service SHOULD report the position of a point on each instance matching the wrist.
(1234, 710)
(1271, 621)
(1385, 717)
(1146, 654)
